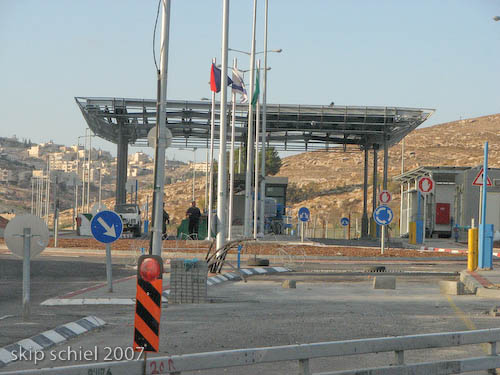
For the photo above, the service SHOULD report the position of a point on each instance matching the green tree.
(273, 161)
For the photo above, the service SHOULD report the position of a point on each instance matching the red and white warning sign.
(425, 185)
(478, 181)
(384, 197)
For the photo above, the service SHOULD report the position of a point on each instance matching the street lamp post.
(264, 123)
(248, 175)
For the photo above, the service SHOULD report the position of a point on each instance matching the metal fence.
(178, 364)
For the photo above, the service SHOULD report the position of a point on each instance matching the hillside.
(330, 184)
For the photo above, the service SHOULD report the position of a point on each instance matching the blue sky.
(434, 54)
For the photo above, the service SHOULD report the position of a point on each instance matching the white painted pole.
(249, 166)
(89, 170)
(408, 209)
(26, 273)
(264, 128)
(206, 181)
(231, 161)
(222, 172)
(194, 171)
(100, 188)
(109, 268)
(239, 157)
(211, 187)
(32, 194)
(160, 134)
(84, 168)
(256, 189)
(47, 196)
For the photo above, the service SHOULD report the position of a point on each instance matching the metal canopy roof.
(438, 172)
(289, 127)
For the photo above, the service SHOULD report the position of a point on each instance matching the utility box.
(188, 281)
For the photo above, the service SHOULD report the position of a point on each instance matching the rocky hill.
(330, 183)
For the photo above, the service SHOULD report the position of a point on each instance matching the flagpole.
(264, 128)
(211, 189)
(231, 161)
(156, 246)
(249, 166)
(257, 131)
(222, 172)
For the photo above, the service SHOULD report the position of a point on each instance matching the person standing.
(166, 220)
(193, 214)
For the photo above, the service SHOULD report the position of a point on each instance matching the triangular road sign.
(478, 181)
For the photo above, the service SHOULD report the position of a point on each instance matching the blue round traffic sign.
(383, 215)
(344, 221)
(106, 226)
(304, 214)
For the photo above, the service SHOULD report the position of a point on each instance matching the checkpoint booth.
(453, 203)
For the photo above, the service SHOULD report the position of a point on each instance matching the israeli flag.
(238, 86)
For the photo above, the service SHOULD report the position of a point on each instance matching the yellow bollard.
(473, 249)
(413, 233)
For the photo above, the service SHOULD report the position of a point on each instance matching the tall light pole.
(161, 131)
(264, 123)
(222, 173)
(249, 166)
(194, 169)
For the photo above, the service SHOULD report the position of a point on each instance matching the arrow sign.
(106, 226)
(425, 185)
(478, 181)
(110, 230)
(344, 221)
(383, 215)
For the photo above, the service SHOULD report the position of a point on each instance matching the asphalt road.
(254, 314)
(50, 277)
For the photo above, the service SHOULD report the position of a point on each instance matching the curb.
(235, 276)
(87, 301)
(479, 285)
(453, 251)
(50, 338)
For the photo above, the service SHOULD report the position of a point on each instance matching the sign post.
(383, 215)
(485, 256)
(304, 216)
(384, 198)
(425, 186)
(22, 246)
(478, 181)
(107, 227)
(345, 222)
(26, 274)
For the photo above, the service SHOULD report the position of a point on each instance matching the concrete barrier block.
(454, 288)
(488, 293)
(471, 284)
(384, 282)
(289, 284)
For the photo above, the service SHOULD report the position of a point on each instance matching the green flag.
(256, 92)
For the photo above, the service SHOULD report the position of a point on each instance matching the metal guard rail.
(177, 364)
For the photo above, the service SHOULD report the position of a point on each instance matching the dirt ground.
(250, 248)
